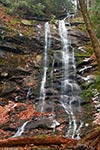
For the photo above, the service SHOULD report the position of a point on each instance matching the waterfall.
(69, 88)
(45, 69)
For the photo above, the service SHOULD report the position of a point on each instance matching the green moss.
(2, 61)
(82, 55)
(15, 21)
(42, 136)
(88, 92)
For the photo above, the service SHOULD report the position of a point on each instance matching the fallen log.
(92, 139)
(38, 140)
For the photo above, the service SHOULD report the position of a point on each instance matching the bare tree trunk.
(94, 39)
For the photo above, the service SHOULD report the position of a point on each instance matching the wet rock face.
(21, 45)
(20, 61)
(78, 38)
(20, 57)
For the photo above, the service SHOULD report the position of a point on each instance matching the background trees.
(39, 8)
(93, 37)
(95, 16)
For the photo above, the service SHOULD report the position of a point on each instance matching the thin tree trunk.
(92, 34)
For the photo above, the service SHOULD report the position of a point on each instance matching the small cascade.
(45, 65)
(70, 90)
(28, 94)
(20, 130)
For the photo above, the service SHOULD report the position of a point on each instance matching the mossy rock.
(27, 22)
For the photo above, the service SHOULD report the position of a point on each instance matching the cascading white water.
(20, 130)
(69, 87)
(70, 90)
(63, 35)
(47, 46)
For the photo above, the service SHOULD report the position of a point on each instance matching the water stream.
(69, 87)
(20, 130)
(45, 65)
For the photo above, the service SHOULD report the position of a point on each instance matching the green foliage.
(95, 16)
(88, 92)
(39, 7)
(24, 7)
(56, 6)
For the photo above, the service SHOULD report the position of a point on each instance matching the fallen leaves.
(7, 109)
(28, 113)
(4, 116)
(13, 23)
